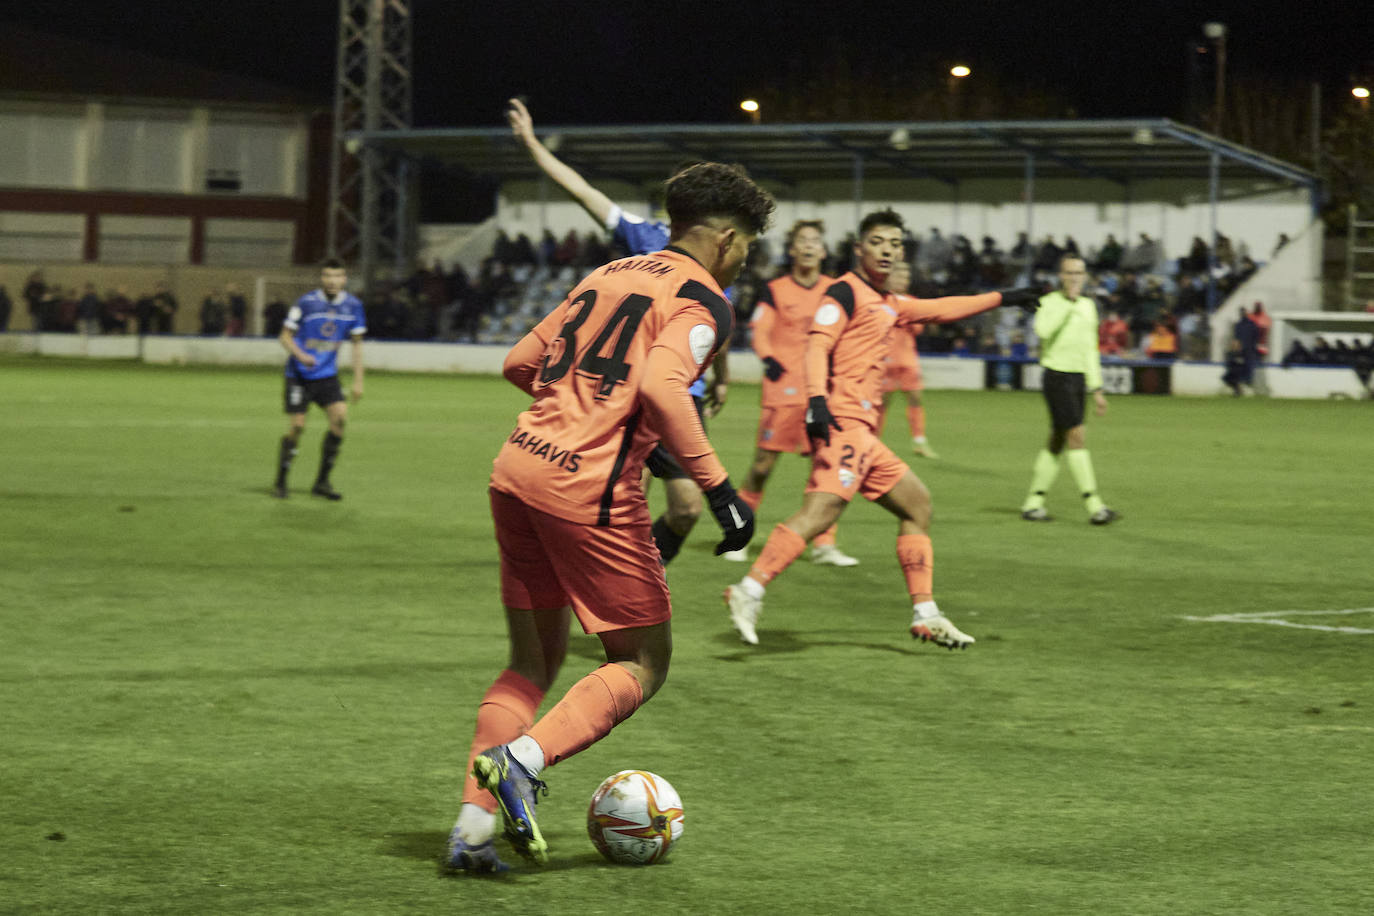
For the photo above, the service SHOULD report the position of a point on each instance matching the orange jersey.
(852, 333)
(903, 354)
(781, 321)
(609, 371)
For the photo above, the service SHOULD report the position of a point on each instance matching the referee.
(1066, 324)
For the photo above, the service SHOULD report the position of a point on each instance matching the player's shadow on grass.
(784, 642)
(432, 846)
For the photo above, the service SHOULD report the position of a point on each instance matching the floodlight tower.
(369, 192)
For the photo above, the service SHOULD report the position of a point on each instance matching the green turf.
(214, 701)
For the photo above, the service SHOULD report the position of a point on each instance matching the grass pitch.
(215, 701)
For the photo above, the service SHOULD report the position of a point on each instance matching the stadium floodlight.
(1214, 30)
(751, 107)
(1360, 92)
(959, 71)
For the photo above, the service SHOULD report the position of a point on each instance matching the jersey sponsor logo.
(547, 449)
(847, 478)
(827, 314)
(700, 339)
(315, 343)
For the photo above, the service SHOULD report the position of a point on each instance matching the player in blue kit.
(315, 329)
(638, 236)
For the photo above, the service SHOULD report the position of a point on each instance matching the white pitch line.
(1275, 618)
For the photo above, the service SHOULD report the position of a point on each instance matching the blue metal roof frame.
(1118, 150)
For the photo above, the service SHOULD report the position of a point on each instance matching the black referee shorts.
(661, 462)
(1066, 395)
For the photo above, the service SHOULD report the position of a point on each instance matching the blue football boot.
(516, 791)
(480, 859)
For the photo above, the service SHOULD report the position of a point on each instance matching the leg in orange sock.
(916, 419)
(587, 713)
(784, 545)
(506, 713)
(826, 538)
(917, 558)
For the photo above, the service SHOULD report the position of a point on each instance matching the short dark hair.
(888, 217)
(799, 225)
(332, 264)
(698, 192)
(1069, 257)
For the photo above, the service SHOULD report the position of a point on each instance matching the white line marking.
(1276, 619)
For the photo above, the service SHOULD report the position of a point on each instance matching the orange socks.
(505, 714)
(916, 419)
(587, 713)
(826, 538)
(784, 545)
(918, 559)
(751, 498)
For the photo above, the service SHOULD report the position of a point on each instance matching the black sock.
(328, 455)
(668, 541)
(284, 458)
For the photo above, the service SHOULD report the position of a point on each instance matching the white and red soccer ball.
(635, 817)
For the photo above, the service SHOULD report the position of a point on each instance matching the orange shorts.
(783, 429)
(854, 461)
(905, 377)
(612, 577)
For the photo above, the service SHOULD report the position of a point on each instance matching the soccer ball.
(635, 817)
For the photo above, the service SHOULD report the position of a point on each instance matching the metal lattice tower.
(369, 221)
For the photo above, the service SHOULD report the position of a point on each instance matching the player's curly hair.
(698, 192)
(888, 217)
(799, 225)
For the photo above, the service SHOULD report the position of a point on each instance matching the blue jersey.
(640, 236)
(320, 327)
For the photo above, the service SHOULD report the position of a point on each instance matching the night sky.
(621, 62)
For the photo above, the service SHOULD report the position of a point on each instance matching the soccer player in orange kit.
(902, 368)
(850, 334)
(782, 319)
(609, 371)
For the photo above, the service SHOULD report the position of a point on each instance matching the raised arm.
(598, 205)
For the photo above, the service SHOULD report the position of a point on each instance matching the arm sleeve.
(819, 343)
(670, 368)
(761, 324)
(522, 362)
(1092, 371)
(911, 310)
(638, 235)
(1048, 317)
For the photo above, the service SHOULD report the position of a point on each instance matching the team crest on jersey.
(767, 435)
(701, 338)
(827, 314)
(328, 328)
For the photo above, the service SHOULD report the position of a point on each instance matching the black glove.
(772, 369)
(818, 419)
(733, 514)
(1028, 297)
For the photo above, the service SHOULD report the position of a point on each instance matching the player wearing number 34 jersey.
(605, 369)
(609, 372)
